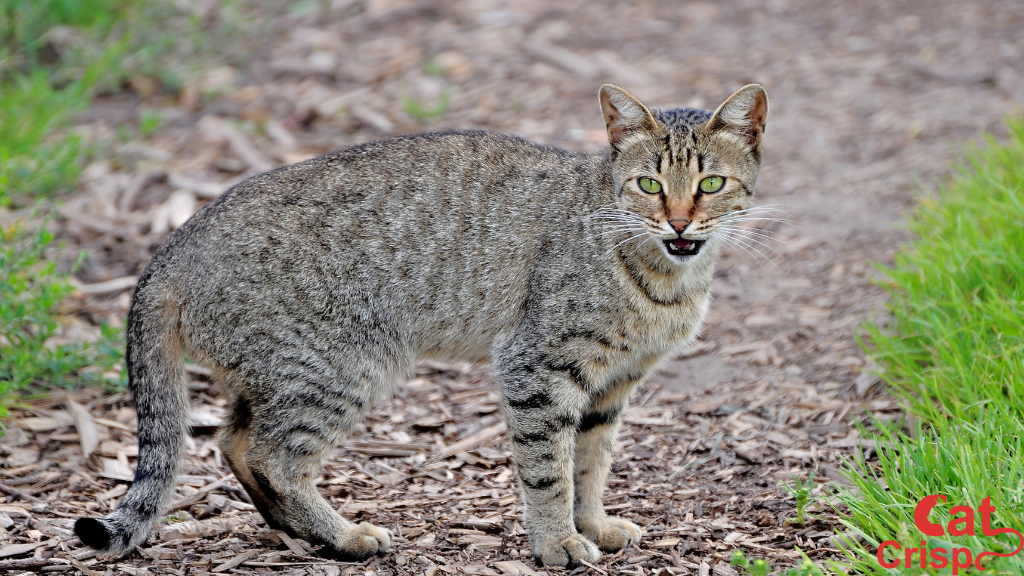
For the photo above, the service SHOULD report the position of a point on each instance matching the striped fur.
(311, 290)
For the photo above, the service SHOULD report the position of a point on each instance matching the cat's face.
(683, 177)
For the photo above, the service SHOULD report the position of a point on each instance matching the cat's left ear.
(624, 114)
(744, 114)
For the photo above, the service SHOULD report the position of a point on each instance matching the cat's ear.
(744, 114)
(624, 114)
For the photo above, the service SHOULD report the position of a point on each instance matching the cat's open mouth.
(682, 247)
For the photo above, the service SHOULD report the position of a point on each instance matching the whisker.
(729, 218)
(754, 233)
(732, 242)
(615, 219)
(601, 217)
(623, 242)
(755, 241)
(754, 248)
(751, 232)
(610, 232)
(742, 245)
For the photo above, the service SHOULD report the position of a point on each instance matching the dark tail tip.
(94, 533)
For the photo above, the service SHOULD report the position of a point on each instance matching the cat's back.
(444, 227)
(429, 174)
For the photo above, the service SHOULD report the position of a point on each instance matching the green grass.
(424, 112)
(39, 90)
(30, 294)
(954, 353)
(762, 568)
(801, 492)
(55, 57)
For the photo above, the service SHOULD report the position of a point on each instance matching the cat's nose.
(679, 224)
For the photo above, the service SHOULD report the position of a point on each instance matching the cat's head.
(684, 176)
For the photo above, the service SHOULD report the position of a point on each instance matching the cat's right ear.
(743, 114)
(624, 114)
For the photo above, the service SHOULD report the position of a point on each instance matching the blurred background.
(119, 119)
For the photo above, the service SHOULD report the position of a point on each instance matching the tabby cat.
(311, 290)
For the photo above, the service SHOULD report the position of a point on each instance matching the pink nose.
(679, 225)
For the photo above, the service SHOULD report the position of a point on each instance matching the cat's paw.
(613, 534)
(568, 552)
(364, 541)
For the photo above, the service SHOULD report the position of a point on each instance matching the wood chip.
(564, 59)
(88, 435)
(372, 118)
(108, 287)
(515, 568)
(698, 348)
(472, 441)
(236, 561)
(292, 545)
(201, 188)
(592, 567)
(201, 493)
(115, 470)
(139, 183)
(280, 134)
(33, 564)
(59, 420)
(743, 348)
(201, 529)
(18, 493)
(217, 128)
(704, 407)
(85, 569)
(19, 549)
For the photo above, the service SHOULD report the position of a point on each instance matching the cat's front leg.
(597, 432)
(542, 408)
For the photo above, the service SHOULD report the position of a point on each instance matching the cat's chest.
(650, 328)
(641, 337)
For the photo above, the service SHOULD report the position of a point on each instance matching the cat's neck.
(663, 280)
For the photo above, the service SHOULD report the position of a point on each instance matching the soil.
(868, 100)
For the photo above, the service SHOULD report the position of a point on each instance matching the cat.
(311, 290)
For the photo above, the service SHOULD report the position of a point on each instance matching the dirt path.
(865, 99)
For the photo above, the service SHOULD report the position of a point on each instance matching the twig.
(591, 566)
(473, 441)
(137, 185)
(23, 564)
(18, 493)
(201, 493)
(236, 561)
(115, 285)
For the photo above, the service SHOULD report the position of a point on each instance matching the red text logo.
(958, 525)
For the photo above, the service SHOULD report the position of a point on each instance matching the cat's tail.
(156, 376)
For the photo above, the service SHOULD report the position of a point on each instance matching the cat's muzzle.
(682, 247)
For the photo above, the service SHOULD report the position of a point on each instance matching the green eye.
(650, 185)
(712, 184)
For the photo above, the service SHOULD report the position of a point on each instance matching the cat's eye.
(712, 184)
(650, 185)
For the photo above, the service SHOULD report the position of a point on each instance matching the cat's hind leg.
(289, 443)
(281, 428)
(595, 440)
(234, 440)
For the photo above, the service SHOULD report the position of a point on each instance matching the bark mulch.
(865, 100)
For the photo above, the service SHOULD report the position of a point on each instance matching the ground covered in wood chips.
(865, 98)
